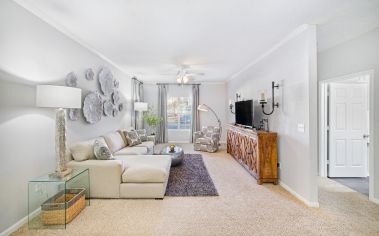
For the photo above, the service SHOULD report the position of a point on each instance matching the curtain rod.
(135, 78)
(177, 84)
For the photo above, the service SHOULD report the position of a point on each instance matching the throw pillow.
(82, 151)
(114, 141)
(133, 138)
(142, 135)
(101, 151)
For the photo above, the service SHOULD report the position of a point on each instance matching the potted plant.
(152, 120)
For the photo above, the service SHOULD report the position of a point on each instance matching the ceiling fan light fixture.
(185, 79)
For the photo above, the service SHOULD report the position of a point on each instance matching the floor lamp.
(59, 97)
(139, 107)
(206, 108)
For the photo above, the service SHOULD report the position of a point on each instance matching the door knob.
(366, 136)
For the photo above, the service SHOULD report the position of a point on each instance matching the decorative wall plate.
(71, 80)
(89, 74)
(108, 108)
(106, 81)
(115, 97)
(115, 112)
(92, 108)
(120, 107)
(116, 83)
(73, 114)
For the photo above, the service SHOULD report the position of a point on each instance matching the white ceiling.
(217, 37)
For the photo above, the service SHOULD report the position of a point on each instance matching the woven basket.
(53, 210)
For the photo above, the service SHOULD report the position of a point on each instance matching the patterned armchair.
(207, 140)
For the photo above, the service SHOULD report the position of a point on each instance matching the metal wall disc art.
(73, 114)
(89, 74)
(108, 108)
(71, 80)
(116, 83)
(106, 81)
(115, 97)
(93, 107)
(115, 112)
(120, 107)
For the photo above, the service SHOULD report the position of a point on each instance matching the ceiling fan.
(185, 74)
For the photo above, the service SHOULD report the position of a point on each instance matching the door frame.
(322, 121)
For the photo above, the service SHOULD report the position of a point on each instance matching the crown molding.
(290, 36)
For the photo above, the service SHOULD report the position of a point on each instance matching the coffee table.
(176, 156)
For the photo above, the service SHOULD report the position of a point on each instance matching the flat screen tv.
(244, 113)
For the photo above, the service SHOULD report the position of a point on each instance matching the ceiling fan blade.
(196, 74)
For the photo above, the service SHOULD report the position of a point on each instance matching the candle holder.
(238, 96)
(263, 101)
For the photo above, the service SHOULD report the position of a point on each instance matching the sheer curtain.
(162, 112)
(137, 96)
(195, 112)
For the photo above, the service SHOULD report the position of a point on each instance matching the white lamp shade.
(203, 107)
(58, 96)
(140, 106)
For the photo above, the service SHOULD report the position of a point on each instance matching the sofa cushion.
(132, 138)
(101, 151)
(160, 161)
(148, 144)
(131, 151)
(114, 141)
(146, 169)
(122, 133)
(143, 174)
(82, 151)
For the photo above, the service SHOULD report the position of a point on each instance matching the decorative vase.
(172, 147)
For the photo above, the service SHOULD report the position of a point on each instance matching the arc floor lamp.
(206, 108)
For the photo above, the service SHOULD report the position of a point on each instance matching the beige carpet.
(243, 208)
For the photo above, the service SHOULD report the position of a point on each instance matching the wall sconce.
(231, 106)
(238, 95)
(263, 100)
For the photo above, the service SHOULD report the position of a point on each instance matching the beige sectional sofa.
(134, 172)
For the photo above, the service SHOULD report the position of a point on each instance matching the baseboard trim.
(19, 223)
(374, 200)
(298, 196)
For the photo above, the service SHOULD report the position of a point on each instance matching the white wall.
(32, 52)
(359, 54)
(293, 65)
(212, 94)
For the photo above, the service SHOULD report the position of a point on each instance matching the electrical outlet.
(300, 128)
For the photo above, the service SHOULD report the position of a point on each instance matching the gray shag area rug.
(191, 178)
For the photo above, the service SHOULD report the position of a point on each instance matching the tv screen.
(244, 113)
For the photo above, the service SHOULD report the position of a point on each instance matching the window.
(179, 113)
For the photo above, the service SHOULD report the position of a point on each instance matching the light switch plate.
(300, 128)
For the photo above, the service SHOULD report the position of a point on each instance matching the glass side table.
(54, 201)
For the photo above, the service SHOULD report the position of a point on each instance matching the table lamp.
(140, 106)
(59, 97)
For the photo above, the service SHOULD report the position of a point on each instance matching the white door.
(348, 122)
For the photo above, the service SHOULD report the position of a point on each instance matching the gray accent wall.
(292, 64)
(33, 52)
